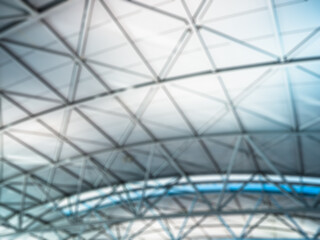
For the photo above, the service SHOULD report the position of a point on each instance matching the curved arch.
(218, 72)
(238, 186)
(163, 141)
(117, 200)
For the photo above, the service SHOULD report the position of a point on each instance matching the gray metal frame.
(148, 211)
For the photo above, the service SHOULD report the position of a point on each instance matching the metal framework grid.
(159, 119)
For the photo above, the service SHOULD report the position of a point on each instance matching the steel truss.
(195, 208)
(145, 201)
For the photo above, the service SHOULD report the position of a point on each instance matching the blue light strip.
(206, 188)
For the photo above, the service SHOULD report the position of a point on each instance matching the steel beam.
(172, 216)
(113, 93)
(34, 18)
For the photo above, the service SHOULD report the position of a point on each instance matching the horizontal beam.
(33, 18)
(218, 72)
(80, 225)
(163, 141)
(204, 187)
(185, 190)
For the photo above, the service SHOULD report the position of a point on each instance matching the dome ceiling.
(159, 119)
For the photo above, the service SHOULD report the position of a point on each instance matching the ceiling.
(159, 119)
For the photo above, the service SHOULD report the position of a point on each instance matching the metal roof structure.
(160, 119)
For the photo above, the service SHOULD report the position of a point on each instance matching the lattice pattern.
(125, 119)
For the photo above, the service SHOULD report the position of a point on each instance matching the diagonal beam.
(238, 41)
(179, 215)
(192, 129)
(302, 43)
(273, 168)
(113, 93)
(183, 225)
(157, 10)
(295, 118)
(229, 169)
(57, 5)
(276, 28)
(129, 39)
(195, 31)
(299, 229)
